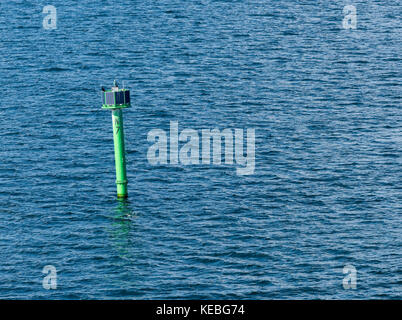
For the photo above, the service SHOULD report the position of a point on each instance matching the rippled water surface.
(325, 103)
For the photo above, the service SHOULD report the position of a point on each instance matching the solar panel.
(119, 97)
(109, 97)
(127, 96)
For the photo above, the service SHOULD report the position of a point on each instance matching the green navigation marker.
(116, 99)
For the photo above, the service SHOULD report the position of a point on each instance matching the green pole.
(115, 100)
(119, 153)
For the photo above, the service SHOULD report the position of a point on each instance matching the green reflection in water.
(121, 228)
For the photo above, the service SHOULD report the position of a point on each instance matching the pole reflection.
(121, 228)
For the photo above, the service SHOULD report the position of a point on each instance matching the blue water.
(325, 103)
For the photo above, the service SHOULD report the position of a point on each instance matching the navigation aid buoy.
(117, 99)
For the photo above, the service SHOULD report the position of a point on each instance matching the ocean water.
(325, 103)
